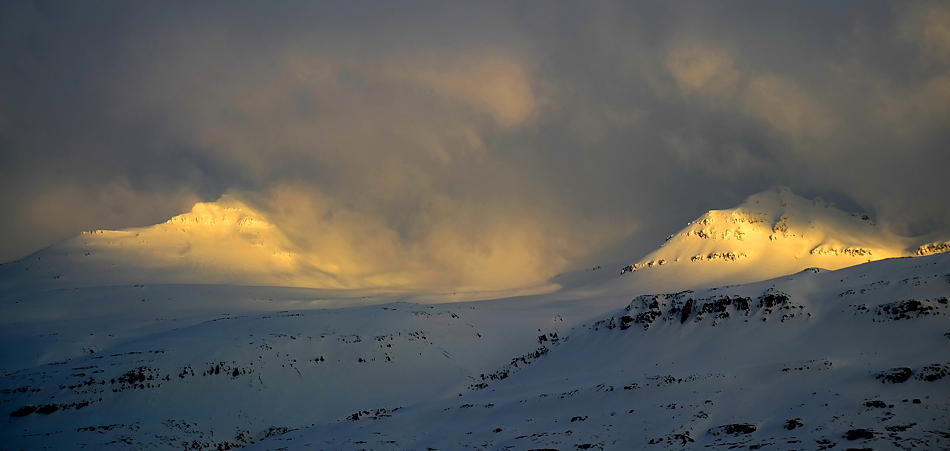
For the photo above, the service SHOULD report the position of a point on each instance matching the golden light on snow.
(319, 244)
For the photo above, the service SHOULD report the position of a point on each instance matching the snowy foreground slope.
(849, 359)
(817, 360)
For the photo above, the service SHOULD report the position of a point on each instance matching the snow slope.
(803, 349)
(850, 359)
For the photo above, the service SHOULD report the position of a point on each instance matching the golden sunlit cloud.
(464, 245)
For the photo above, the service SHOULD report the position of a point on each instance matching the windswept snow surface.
(851, 358)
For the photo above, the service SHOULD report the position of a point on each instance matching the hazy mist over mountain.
(488, 145)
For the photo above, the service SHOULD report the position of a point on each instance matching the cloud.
(395, 178)
(495, 85)
(704, 71)
(591, 123)
(342, 112)
(928, 26)
(714, 77)
(911, 110)
(474, 145)
(726, 161)
(465, 245)
(787, 108)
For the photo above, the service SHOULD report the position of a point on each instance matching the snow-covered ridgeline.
(777, 230)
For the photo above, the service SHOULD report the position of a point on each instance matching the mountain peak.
(220, 242)
(225, 211)
(782, 197)
(773, 233)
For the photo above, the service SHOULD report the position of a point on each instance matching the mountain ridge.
(770, 234)
(226, 242)
(221, 242)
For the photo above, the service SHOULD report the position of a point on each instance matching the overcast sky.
(499, 141)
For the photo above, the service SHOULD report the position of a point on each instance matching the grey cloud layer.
(486, 145)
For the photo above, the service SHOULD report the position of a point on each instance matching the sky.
(492, 143)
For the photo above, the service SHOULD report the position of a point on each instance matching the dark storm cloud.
(501, 142)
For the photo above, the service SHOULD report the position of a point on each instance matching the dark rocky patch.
(733, 429)
(687, 309)
(900, 428)
(819, 364)
(511, 367)
(649, 316)
(12, 391)
(933, 372)
(646, 310)
(895, 375)
(772, 299)
(683, 438)
(858, 434)
(627, 320)
(23, 411)
(47, 409)
(590, 446)
(911, 308)
(374, 414)
(674, 438)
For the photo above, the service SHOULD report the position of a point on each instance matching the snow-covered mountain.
(770, 234)
(229, 243)
(226, 242)
(128, 356)
(222, 242)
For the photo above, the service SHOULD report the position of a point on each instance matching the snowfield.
(762, 351)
